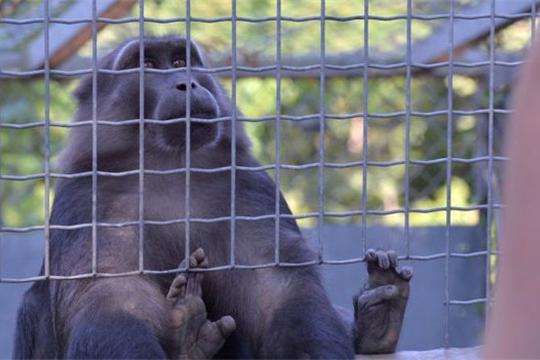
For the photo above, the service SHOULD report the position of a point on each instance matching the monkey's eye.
(149, 64)
(179, 63)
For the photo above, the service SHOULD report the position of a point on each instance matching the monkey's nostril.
(183, 86)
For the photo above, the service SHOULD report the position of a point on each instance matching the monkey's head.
(166, 87)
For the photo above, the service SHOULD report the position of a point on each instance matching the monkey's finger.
(405, 272)
(226, 325)
(383, 260)
(377, 295)
(393, 258)
(177, 288)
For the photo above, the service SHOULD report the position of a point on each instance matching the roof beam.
(435, 48)
(63, 44)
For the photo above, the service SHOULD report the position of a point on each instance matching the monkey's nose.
(182, 86)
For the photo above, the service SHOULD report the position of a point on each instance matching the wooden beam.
(432, 49)
(63, 44)
(435, 48)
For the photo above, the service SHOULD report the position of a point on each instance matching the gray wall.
(20, 256)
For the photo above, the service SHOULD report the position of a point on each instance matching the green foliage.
(22, 151)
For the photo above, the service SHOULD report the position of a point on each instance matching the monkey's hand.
(379, 308)
(196, 337)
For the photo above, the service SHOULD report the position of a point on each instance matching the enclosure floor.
(452, 354)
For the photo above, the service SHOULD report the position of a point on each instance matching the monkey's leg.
(34, 336)
(379, 308)
(114, 335)
(116, 318)
(197, 337)
(303, 324)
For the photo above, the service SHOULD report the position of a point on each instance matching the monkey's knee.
(116, 334)
(134, 296)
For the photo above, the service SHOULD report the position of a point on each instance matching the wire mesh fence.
(432, 140)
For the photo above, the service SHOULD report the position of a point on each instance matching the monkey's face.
(170, 95)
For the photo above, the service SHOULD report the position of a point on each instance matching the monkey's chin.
(172, 137)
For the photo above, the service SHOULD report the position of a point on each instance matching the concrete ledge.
(470, 353)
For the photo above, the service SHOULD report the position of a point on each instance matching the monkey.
(268, 312)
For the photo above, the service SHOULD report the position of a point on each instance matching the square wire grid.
(365, 67)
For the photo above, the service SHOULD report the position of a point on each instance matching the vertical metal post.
(365, 124)
(141, 136)
(233, 136)
(449, 152)
(322, 127)
(47, 169)
(533, 21)
(408, 127)
(278, 134)
(491, 114)
(94, 137)
(187, 205)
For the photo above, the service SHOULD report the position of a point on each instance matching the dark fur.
(280, 312)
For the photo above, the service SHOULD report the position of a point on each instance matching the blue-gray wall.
(20, 256)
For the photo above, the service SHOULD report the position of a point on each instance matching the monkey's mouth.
(172, 134)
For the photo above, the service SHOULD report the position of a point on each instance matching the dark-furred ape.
(272, 312)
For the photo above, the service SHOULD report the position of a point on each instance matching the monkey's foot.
(379, 308)
(196, 337)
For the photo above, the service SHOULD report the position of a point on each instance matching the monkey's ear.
(84, 90)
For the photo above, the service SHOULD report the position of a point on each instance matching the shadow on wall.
(21, 255)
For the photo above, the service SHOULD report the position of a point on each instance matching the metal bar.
(491, 115)
(365, 127)
(533, 21)
(233, 136)
(47, 149)
(94, 139)
(407, 178)
(449, 152)
(322, 128)
(330, 165)
(345, 116)
(187, 199)
(141, 70)
(247, 267)
(295, 19)
(277, 140)
(1, 185)
(380, 70)
(336, 214)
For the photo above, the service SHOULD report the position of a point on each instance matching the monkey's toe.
(381, 259)
(226, 325)
(177, 289)
(211, 337)
(198, 258)
(405, 272)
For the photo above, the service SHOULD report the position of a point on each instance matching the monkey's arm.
(380, 307)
